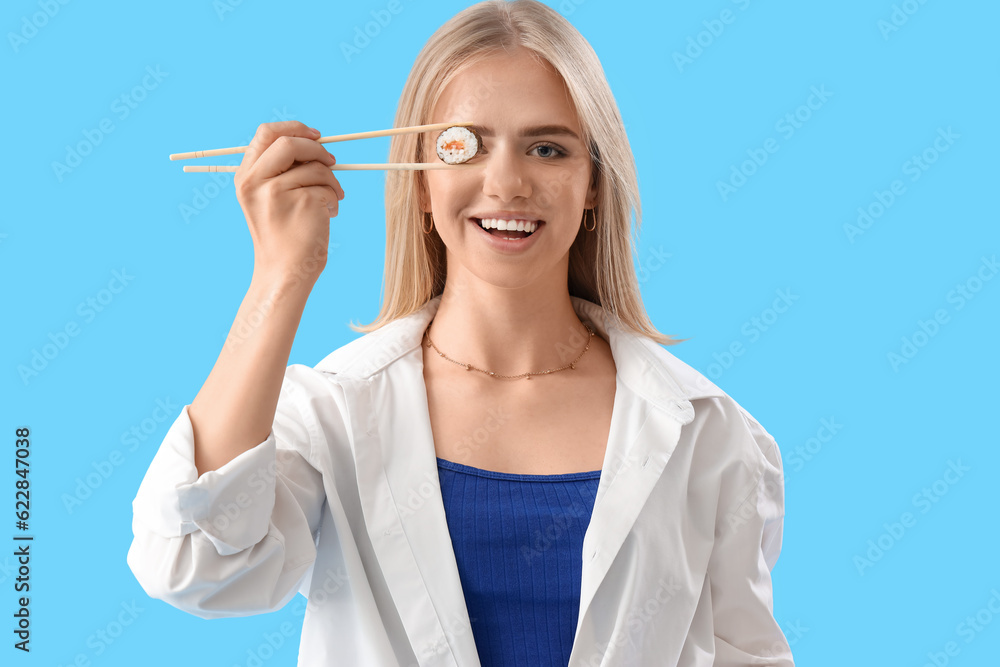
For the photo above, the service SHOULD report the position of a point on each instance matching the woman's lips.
(507, 245)
(498, 233)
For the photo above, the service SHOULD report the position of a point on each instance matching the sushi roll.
(458, 144)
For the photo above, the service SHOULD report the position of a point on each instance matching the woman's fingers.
(316, 182)
(310, 174)
(288, 195)
(268, 133)
(287, 151)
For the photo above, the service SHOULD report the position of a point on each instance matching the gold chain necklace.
(527, 376)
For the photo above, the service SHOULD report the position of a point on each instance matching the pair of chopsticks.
(331, 139)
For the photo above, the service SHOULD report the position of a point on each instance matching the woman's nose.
(505, 176)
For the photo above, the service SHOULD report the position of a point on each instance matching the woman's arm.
(238, 540)
(288, 195)
(226, 518)
(747, 543)
(235, 407)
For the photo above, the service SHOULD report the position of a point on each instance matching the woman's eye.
(549, 150)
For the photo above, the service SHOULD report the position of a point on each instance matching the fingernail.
(314, 130)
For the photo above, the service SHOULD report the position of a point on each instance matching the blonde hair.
(600, 262)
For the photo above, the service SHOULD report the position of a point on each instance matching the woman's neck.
(508, 330)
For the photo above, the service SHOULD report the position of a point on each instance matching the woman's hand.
(288, 195)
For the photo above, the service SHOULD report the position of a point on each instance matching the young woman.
(507, 468)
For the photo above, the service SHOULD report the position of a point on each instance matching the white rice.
(462, 136)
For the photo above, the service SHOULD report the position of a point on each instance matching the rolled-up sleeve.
(747, 544)
(238, 540)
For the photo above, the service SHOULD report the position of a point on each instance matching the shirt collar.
(642, 364)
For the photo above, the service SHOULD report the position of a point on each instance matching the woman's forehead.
(506, 90)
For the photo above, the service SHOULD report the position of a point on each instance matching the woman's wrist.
(280, 283)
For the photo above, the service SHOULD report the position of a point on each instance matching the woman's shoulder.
(724, 425)
(373, 351)
(692, 385)
(356, 360)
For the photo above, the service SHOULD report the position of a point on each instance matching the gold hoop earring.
(593, 216)
(428, 231)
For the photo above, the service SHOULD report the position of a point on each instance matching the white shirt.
(342, 503)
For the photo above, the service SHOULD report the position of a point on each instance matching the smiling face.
(533, 167)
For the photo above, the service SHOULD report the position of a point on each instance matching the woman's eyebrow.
(537, 131)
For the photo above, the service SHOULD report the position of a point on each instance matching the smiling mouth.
(507, 233)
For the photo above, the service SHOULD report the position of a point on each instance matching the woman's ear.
(422, 195)
(592, 191)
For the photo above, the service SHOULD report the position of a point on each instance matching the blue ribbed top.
(518, 542)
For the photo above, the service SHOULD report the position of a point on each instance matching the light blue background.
(824, 358)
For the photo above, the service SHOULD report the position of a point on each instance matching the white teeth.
(503, 225)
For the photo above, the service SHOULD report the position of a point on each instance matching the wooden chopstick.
(325, 140)
(391, 166)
